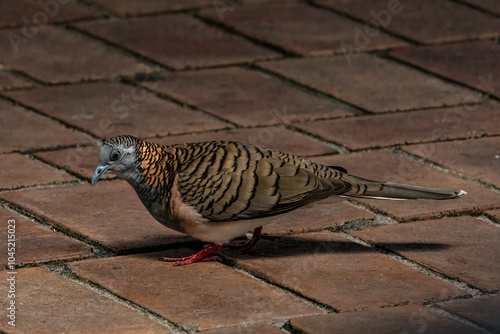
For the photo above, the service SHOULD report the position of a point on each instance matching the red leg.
(203, 255)
(250, 244)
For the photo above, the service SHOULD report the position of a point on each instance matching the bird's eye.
(115, 156)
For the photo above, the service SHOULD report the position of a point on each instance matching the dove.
(214, 191)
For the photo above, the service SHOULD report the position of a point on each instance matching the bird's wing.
(236, 181)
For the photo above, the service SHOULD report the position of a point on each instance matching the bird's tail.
(388, 190)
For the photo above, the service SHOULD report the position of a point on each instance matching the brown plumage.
(212, 190)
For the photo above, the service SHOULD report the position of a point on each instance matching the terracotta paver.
(207, 289)
(43, 132)
(160, 37)
(35, 13)
(468, 247)
(273, 137)
(362, 80)
(459, 62)
(478, 158)
(36, 243)
(249, 98)
(341, 273)
(491, 5)
(18, 170)
(258, 329)
(300, 28)
(494, 213)
(401, 319)
(110, 109)
(484, 311)
(382, 165)
(138, 7)
(98, 213)
(9, 81)
(425, 21)
(44, 54)
(49, 303)
(411, 127)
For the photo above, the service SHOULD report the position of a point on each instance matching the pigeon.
(213, 191)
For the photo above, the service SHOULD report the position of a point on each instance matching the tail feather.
(388, 190)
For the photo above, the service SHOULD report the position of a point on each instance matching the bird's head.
(118, 155)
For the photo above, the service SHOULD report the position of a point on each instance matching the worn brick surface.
(35, 242)
(273, 137)
(459, 62)
(491, 5)
(401, 319)
(300, 28)
(495, 214)
(484, 311)
(478, 158)
(28, 130)
(425, 21)
(178, 41)
(381, 165)
(29, 13)
(18, 170)
(109, 213)
(110, 109)
(410, 127)
(49, 303)
(9, 81)
(375, 84)
(258, 329)
(462, 247)
(209, 290)
(138, 7)
(55, 55)
(249, 98)
(340, 273)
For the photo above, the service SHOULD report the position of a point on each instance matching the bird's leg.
(250, 244)
(203, 255)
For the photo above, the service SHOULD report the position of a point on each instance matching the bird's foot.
(206, 254)
(247, 247)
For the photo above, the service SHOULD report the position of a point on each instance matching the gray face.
(120, 159)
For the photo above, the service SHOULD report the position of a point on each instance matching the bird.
(215, 190)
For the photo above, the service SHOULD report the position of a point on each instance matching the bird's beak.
(100, 170)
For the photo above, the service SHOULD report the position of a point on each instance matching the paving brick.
(340, 273)
(109, 213)
(178, 41)
(110, 109)
(34, 12)
(401, 319)
(459, 62)
(462, 247)
(425, 21)
(49, 303)
(28, 130)
(54, 55)
(479, 158)
(300, 28)
(495, 214)
(205, 295)
(36, 243)
(274, 137)
(381, 165)
(484, 311)
(259, 329)
(332, 212)
(375, 84)
(491, 5)
(17, 170)
(8, 81)
(411, 127)
(249, 98)
(126, 8)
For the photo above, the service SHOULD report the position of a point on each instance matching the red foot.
(250, 244)
(203, 255)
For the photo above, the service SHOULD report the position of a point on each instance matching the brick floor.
(318, 32)
(459, 62)
(164, 34)
(403, 91)
(361, 80)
